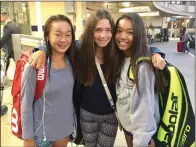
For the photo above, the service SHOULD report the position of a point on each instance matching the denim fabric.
(185, 46)
(156, 50)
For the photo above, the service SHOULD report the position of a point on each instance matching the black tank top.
(94, 98)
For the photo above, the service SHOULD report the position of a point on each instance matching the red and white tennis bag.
(16, 91)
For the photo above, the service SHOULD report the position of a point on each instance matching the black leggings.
(98, 130)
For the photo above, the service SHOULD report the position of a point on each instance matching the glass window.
(21, 12)
(18, 11)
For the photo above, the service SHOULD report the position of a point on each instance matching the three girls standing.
(98, 121)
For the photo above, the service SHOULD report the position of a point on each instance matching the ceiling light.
(152, 13)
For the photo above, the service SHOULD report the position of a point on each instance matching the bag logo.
(172, 118)
(40, 75)
(14, 121)
(184, 137)
(173, 112)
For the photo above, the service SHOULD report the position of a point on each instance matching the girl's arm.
(144, 108)
(38, 58)
(27, 99)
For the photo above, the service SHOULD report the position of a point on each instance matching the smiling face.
(124, 35)
(102, 33)
(60, 36)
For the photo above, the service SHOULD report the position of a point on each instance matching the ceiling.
(116, 5)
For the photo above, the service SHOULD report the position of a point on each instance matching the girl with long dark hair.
(137, 97)
(48, 121)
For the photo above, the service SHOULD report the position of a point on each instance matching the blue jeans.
(42, 143)
(185, 46)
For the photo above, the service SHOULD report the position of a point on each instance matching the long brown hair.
(70, 53)
(86, 67)
(139, 48)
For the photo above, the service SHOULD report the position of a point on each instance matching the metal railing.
(23, 42)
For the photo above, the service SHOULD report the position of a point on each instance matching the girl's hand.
(29, 142)
(38, 59)
(158, 61)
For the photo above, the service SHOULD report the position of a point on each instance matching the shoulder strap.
(138, 61)
(141, 59)
(41, 75)
(107, 91)
(104, 84)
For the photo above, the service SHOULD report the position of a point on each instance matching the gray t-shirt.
(56, 121)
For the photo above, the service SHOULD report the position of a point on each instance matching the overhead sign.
(152, 13)
(135, 9)
(170, 18)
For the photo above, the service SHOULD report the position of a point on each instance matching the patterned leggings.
(98, 130)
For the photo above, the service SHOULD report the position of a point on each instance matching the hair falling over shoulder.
(139, 48)
(86, 67)
(71, 52)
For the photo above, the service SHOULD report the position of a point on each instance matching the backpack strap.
(141, 59)
(138, 61)
(41, 75)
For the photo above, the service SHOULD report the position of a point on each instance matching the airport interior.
(31, 16)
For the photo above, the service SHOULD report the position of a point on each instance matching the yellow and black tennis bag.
(177, 119)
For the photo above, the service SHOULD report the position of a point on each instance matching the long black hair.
(139, 48)
(70, 53)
